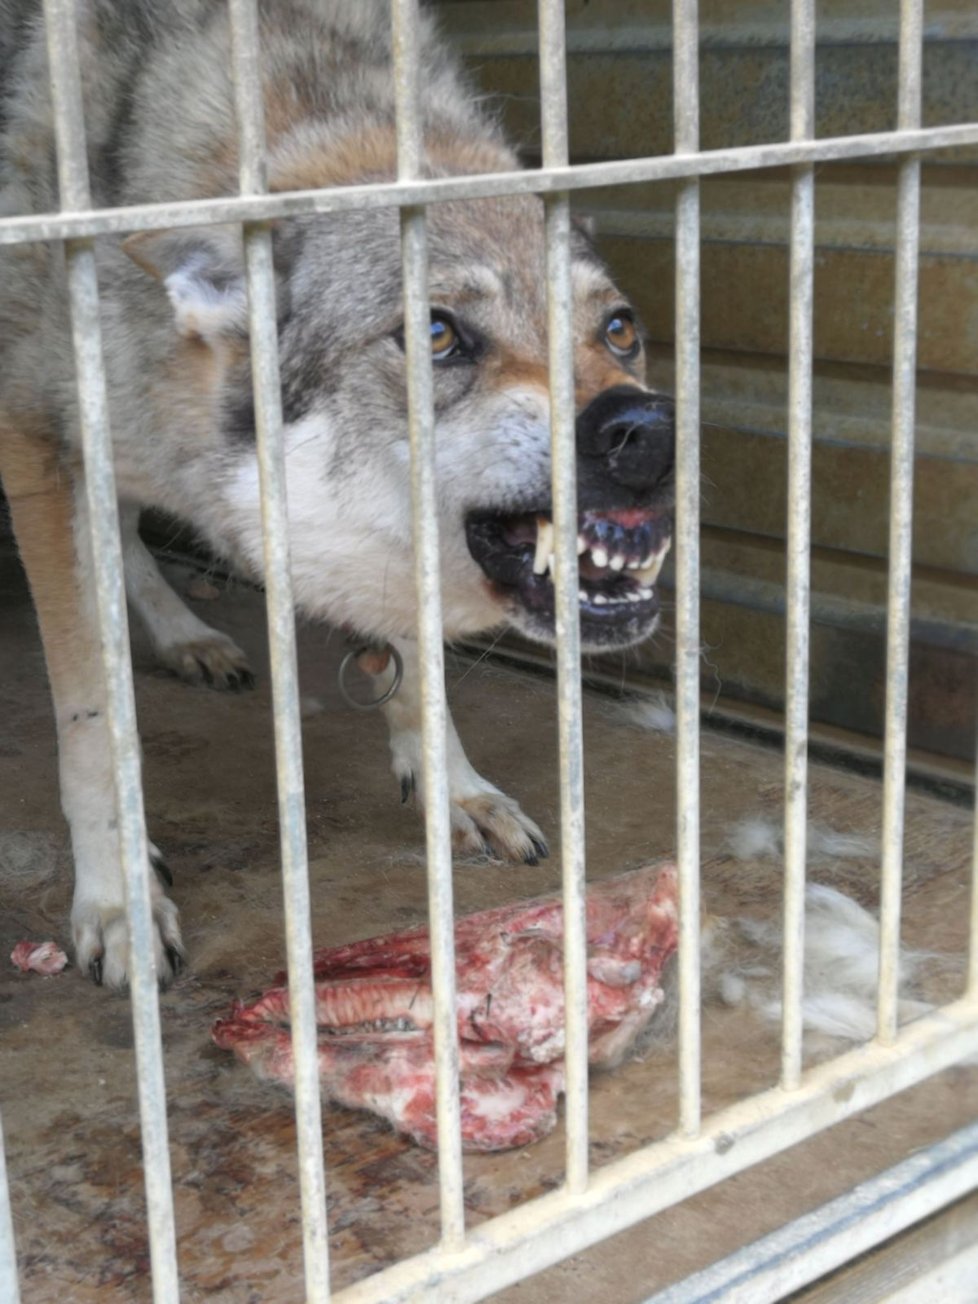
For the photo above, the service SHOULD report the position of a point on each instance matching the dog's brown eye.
(621, 334)
(444, 339)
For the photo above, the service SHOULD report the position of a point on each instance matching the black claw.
(232, 683)
(205, 670)
(175, 958)
(95, 970)
(162, 869)
(246, 679)
(531, 859)
(407, 787)
(540, 849)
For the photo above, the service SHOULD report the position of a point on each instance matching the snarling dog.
(160, 121)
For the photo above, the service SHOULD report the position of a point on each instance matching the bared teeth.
(545, 546)
(648, 572)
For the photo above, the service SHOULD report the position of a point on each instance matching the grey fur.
(160, 124)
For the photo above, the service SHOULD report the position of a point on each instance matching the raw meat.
(41, 957)
(374, 1011)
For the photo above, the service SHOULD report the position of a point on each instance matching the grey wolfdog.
(160, 124)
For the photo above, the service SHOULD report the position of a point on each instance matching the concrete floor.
(66, 1079)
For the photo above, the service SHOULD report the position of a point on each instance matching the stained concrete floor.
(66, 1076)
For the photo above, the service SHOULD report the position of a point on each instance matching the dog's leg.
(484, 820)
(50, 526)
(183, 643)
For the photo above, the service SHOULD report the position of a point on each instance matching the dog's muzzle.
(625, 462)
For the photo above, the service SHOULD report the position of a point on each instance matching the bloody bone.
(374, 1011)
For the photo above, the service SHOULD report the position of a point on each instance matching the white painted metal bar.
(542, 1232)
(798, 584)
(103, 520)
(582, 176)
(687, 132)
(9, 1289)
(262, 322)
(973, 931)
(776, 1266)
(901, 521)
(553, 89)
(427, 571)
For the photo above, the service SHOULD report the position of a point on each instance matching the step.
(744, 458)
(745, 264)
(620, 74)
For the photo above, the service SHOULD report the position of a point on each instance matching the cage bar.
(424, 523)
(280, 609)
(543, 1231)
(687, 130)
(543, 181)
(901, 521)
(553, 88)
(798, 584)
(804, 1250)
(972, 987)
(101, 508)
(9, 1289)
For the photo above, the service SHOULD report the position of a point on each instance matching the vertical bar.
(553, 93)
(427, 570)
(972, 989)
(901, 521)
(9, 1289)
(282, 646)
(103, 519)
(687, 134)
(799, 539)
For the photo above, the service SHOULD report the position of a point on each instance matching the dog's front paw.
(101, 937)
(213, 659)
(490, 823)
(485, 822)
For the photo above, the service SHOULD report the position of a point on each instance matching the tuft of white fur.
(759, 838)
(652, 713)
(743, 960)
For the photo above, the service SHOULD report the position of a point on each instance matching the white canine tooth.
(582, 545)
(600, 599)
(600, 557)
(582, 595)
(617, 562)
(645, 594)
(649, 570)
(635, 596)
(551, 565)
(545, 546)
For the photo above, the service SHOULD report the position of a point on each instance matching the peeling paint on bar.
(544, 181)
(687, 131)
(901, 523)
(103, 522)
(282, 647)
(798, 582)
(424, 521)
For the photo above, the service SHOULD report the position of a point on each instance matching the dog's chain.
(372, 659)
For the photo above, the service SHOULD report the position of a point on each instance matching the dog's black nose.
(633, 433)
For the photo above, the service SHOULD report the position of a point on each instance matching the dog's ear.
(202, 270)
